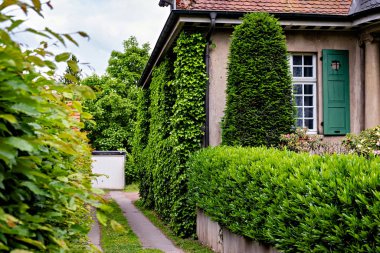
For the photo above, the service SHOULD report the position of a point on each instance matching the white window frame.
(307, 80)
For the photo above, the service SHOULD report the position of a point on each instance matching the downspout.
(362, 90)
(206, 138)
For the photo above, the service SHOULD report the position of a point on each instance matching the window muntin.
(303, 68)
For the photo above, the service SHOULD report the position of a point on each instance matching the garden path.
(150, 236)
(94, 234)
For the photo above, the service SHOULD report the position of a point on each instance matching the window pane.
(297, 89)
(299, 112)
(308, 101)
(297, 60)
(309, 123)
(308, 60)
(299, 101)
(308, 89)
(309, 112)
(308, 71)
(297, 71)
(304, 66)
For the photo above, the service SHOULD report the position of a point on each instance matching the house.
(333, 54)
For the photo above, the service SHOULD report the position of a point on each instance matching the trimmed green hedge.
(295, 202)
(259, 88)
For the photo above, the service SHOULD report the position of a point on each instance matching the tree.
(72, 74)
(128, 66)
(114, 113)
(259, 87)
(115, 108)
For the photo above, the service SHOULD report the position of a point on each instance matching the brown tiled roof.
(328, 7)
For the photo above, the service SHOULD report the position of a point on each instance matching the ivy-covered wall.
(176, 115)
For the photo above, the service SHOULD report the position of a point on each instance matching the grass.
(187, 245)
(121, 241)
(132, 188)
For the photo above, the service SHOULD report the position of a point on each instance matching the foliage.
(155, 155)
(44, 161)
(115, 108)
(113, 112)
(367, 143)
(295, 202)
(127, 66)
(121, 241)
(136, 160)
(134, 187)
(72, 74)
(259, 88)
(176, 117)
(188, 245)
(300, 141)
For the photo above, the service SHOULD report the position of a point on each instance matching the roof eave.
(172, 25)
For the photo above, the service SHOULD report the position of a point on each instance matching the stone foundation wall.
(221, 240)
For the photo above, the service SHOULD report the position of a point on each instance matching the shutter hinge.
(322, 123)
(321, 58)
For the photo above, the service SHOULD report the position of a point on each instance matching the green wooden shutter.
(336, 93)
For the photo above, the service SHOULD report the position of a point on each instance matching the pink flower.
(376, 152)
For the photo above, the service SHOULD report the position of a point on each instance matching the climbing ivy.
(187, 123)
(135, 161)
(177, 114)
(259, 88)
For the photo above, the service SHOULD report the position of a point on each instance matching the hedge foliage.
(295, 202)
(259, 87)
(45, 187)
(176, 116)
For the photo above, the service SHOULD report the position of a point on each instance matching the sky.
(107, 22)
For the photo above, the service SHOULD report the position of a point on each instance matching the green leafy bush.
(300, 141)
(367, 143)
(176, 116)
(295, 202)
(259, 88)
(44, 160)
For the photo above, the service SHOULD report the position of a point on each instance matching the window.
(303, 68)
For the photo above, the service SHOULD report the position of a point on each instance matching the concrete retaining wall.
(221, 240)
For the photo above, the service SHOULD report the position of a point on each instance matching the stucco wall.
(218, 83)
(298, 41)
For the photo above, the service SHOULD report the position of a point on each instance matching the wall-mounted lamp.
(335, 65)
